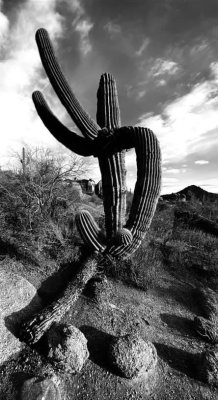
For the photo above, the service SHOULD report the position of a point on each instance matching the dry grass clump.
(207, 329)
(207, 326)
(196, 238)
(141, 270)
(162, 223)
(193, 250)
(208, 302)
(208, 366)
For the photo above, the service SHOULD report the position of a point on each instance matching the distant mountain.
(193, 191)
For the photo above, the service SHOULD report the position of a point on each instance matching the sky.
(163, 55)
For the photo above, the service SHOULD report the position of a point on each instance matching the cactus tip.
(40, 32)
(123, 237)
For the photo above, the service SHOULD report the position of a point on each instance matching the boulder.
(40, 389)
(99, 289)
(67, 347)
(132, 357)
(18, 300)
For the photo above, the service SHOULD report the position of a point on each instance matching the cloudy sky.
(163, 54)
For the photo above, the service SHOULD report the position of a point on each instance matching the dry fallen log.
(33, 329)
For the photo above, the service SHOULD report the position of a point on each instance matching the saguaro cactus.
(108, 141)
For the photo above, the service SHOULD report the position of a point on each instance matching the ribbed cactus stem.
(148, 184)
(33, 329)
(112, 168)
(88, 126)
(70, 139)
(108, 110)
(90, 231)
(109, 145)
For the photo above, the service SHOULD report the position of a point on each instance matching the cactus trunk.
(33, 329)
(112, 168)
(107, 141)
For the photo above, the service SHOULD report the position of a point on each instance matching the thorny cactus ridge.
(108, 141)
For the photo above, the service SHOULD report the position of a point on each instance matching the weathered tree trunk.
(33, 329)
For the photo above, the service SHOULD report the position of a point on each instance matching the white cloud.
(76, 7)
(81, 24)
(211, 185)
(143, 47)
(172, 171)
(84, 27)
(112, 28)
(21, 73)
(201, 162)
(184, 122)
(4, 26)
(157, 72)
(162, 67)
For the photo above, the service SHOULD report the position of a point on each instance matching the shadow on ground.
(183, 325)
(98, 342)
(180, 295)
(179, 359)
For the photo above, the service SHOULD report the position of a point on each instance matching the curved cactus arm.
(112, 167)
(147, 188)
(90, 231)
(88, 126)
(68, 138)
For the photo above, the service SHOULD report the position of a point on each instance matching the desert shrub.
(162, 223)
(95, 199)
(37, 203)
(196, 238)
(141, 270)
(210, 211)
(194, 250)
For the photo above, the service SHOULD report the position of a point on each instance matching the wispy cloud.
(184, 122)
(84, 27)
(162, 67)
(4, 27)
(201, 162)
(21, 73)
(82, 24)
(112, 28)
(143, 47)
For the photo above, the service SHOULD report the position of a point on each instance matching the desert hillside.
(157, 293)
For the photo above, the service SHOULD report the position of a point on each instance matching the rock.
(99, 289)
(18, 300)
(207, 329)
(67, 347)
(208, 366)
(132, 357)
(40, 389)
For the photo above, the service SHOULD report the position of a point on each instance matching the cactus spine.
(108, 141)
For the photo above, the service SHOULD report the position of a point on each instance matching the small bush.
(141, 270)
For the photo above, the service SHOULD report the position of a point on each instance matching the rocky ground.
(163, 315)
